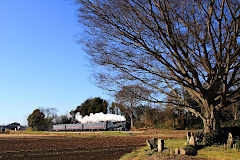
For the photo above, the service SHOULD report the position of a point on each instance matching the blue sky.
(41, 63)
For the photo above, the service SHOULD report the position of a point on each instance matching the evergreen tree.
(36, 120)
(92, 105)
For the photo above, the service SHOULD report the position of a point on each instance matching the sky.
(41, 62)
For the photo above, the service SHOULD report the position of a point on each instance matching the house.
(9, 127)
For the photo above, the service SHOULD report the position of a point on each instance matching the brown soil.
(62, 147)
(54, 147)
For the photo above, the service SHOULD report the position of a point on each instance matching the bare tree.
(164, 44)
(131, 97)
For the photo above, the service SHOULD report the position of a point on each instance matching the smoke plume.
(98, 117)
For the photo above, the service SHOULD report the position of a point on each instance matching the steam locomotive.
(101, 126)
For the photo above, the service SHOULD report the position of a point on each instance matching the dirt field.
(55, 147)
(68, 147)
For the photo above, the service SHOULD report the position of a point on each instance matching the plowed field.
(54, 147)
(49, 147)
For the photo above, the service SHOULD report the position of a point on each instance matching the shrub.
(237, 142)
(199, 137)
(214, 138)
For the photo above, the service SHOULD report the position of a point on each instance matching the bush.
(211, 138)
(161, 126)
(215, 138)
(237, 142)
(199, 137)
(235, 130)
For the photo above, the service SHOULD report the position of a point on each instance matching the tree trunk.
(235, 111)
(211, 121)
(131, 119)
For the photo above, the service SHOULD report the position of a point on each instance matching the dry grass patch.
(212, 153)
(219, 152)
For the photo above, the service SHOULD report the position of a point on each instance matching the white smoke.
(79, 117)
(69, 116)
(99, 117)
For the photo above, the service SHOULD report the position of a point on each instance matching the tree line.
(139, 114)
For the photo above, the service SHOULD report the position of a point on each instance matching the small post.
(192, 140)
(188, 137)
(160, 145)
(149, 144)
(235, 146)
(230, 140)
(177, 151)
(152, 143)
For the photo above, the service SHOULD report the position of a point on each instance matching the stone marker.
(188, 137)
(182, 151)
(149, 144)
(230, 140)
(192, 140)
(152, 143)
(160, 144)
(166, 151)
(235, 146)
(188, 151)
(177, 151)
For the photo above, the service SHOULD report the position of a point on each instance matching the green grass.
(139, 154)
(81, 134)
(145, 152)
(175, 143)
(114, 133)
(30, 132)
(213, 152)
(219, 152)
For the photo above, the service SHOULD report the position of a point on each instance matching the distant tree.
(114, 109)
(236, 110)
(92, 105)
(64, 119)
(145, 116)
(37, 120)
(131, 97)
(49, 112)
(15, 124)
(50, 116)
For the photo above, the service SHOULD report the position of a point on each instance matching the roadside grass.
(175, 143)
(30, 132)
(159, 133)
(219, 152)
(114, 133)
(141, 153)
(212, 152)
(4, 132)
(146, 153)
(75, 134)
(162, 132)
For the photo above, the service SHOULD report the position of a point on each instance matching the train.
(101, 126)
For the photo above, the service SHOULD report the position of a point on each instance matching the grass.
(163, 133)
(75, 134)
(141, 153)
(175, 143)
(219, 152)
(212, 153)
(115, 133)
(145, 153)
